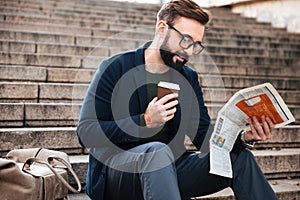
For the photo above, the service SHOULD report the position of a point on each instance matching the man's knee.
(157, 155)
(156, 146)
(243, 159)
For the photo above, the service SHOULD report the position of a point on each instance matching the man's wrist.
(249, 144)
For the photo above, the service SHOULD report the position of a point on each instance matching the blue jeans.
(157, 176)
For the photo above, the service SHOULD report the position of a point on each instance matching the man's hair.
(182, 8)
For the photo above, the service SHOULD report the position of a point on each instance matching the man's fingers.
(259, 129)
(169, 117)
(171, 111)
(255, 135)
(270, 126)
(153, 101)
(171, 104)
(266, 127)
(167, 98)
(270, 122)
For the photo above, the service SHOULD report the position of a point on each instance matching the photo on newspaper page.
(260, 100)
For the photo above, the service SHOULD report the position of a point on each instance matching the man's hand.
(160, 111)
(259, 131)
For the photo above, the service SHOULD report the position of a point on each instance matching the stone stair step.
(23, 73)
(85, 75)
(102, 21)
(279, 163)
(73, 61)
(19, 92)
(222, 95)
(11, 114)
(238, 50)
(104, 49)
(284, 137)
(45, 74)
(65, 139)
(34, 36)
(228, 12)
(32, 59)
(57, 138)
(114, 17)
(245, 59)
(136, 33)
(228, 59)
(252, 43)
(66, 49)
(80, 11)
(66, 114)
(12, 92)
(215, 30)
(110, 5)
(27, 16)
(274, 164)
(46, 27)
(246, 70)
(40, 92)
(239, 82)
(287, 38)
(38, 114)
(256, 24)
(284, 188)
(124, 41)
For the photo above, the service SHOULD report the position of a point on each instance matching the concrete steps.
(222, 31)
(49, 51)
(45, 92)
(275, 164)
(81, 49)
(46, 114)
(64, 139)
(211, 39)
(73, 61)
(284, 162)
(285, 189)
(18, 73)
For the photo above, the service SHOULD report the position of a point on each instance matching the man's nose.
(189, 52)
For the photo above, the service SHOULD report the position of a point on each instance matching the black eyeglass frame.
(189, 37)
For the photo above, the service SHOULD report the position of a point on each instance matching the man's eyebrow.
(187, 35)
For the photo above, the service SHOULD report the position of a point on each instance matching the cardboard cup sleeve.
(164, 88)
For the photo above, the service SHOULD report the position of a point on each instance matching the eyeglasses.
(187, 42)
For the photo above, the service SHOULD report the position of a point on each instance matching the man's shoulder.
(189, 72)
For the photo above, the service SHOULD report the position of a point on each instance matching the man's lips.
(179, 58)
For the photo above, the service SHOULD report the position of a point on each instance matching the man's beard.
(167, 56)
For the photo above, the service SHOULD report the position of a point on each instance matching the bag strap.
(30, 161)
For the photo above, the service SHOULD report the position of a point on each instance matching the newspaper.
(233, 117)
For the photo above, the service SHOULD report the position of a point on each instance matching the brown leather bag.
(35, 174)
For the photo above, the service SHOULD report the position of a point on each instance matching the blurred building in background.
(281, 13)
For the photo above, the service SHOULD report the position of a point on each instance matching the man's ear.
(161, 29)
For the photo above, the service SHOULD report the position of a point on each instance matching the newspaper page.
(233, 117)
